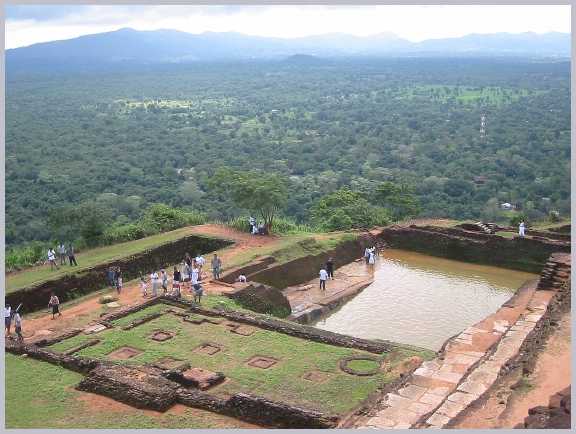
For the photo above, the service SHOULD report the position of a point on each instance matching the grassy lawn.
(50, 401)
(339, 393)
(91, 258)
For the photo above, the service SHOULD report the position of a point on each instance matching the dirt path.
(80, 313)
(551, 374)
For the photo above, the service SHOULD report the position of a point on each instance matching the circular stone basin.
(362, 366)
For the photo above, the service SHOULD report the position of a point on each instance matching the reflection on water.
(422, 300)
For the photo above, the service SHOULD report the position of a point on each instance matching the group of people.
(370, 255)
(186, 276)
(326, 272)
(12, 316)
(63, 253)
(114, 276)
(257, 228)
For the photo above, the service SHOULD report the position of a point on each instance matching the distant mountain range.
(162, 46)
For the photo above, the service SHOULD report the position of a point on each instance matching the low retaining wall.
(523, 254)
(290, 328)
(72, 286)
(303, 269)
(262, 298)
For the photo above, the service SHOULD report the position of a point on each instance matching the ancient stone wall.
(523, 254)
(262, 298)
(71, 286)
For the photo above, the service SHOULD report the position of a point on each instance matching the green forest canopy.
(137, 137)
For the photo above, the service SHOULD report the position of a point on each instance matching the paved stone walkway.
(442, 388)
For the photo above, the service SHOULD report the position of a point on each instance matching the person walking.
(366, 255)
(197, 293)
(18, 327)
(155, 282)
(252, 222)
(195, 276)
(7, 319)
(323, 278)
(200, 261)
(371, 257)
(164, 277)
(52, 259)
(144, 286)
(522, 229)
(176, 279)
(118, 280)
(71, 256)
(330, 268)
(62, 253)
(54, 304)
(216, 264)
(110, 276)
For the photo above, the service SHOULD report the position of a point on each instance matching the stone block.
(451, 409)
(394, 400)
(412, 391)
(473, 387)
(462, 398)
(438, 420)
(450, 377)
(420, 408)
(432, 399)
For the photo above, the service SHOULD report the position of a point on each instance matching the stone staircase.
(556, 272)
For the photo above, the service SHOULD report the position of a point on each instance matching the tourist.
(52, 258)
(242, 278)
(200, 261)
(255, 229)
(323, 278)
(54, 304)
(252, 222)
(18, 327)
(197, 293)
(216, 264)
(261, 229)
(366, 255)
(164, 277)
(188, 259)
(521, 229)
(144, 286)
(330, 268)
(7, 319)
(110, 276)
(118, 279)
(372, 257)
(71, 256)
(176, 282)
(186, 273)
(194, 277)
(155, 283)
(62, 253)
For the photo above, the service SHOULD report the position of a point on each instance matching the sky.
(29, 24)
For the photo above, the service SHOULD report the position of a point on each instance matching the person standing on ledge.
(366, 254)
(330, 268)
(197, 293)
(62, 253)
(52, 259)
(521, 229)
(371, 257)
(176, 279)
(216, 266)
(71, 257)
(54, 303)
(323, 278)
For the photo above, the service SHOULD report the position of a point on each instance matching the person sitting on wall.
(242, 278)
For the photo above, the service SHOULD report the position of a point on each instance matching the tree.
(345, 209)
(87, 221)
(398, 199)
(259, 192)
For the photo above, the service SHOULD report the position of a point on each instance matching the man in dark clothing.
(71, 256)
(330, 268)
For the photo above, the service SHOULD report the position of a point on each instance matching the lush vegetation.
(119, 141)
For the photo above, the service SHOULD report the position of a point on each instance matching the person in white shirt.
(323, 278)
(366, 254)
(52, 258)
(144, 286)
(371, 257)
(7, 319)
(242, 278)
(155, 281)
(252, 222)
(194, 276)
(62, 253)
(200, 264)
(521, 228)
